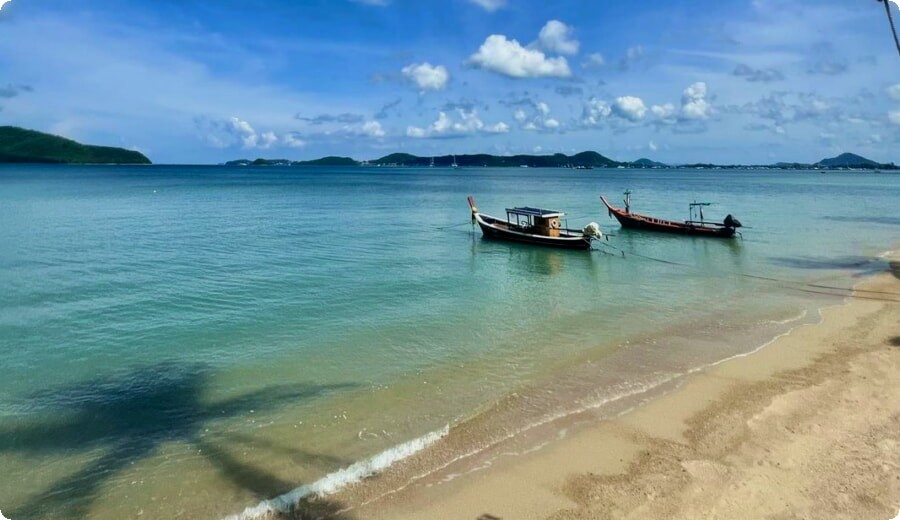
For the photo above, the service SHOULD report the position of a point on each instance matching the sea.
(219, 342)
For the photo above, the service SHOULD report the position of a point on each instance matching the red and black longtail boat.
(701, 227)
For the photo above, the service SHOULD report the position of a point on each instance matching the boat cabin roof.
(535, 212)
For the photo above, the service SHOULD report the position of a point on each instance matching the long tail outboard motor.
(731, 222)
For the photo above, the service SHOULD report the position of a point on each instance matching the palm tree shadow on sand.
(129, 417)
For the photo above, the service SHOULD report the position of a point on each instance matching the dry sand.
(808, 427)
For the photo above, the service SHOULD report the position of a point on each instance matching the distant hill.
(647, 163)
(324, 161)
(494, 161)
(18, 145)
(848, 160)
(329, 161)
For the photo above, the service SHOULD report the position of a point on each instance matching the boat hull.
(646, 223)
(493, 229)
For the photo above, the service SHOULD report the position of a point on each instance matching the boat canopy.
(535, 212)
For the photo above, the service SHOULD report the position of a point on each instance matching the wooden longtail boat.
(725, 229)
(534, 226)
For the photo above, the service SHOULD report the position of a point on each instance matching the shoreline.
(549, 469)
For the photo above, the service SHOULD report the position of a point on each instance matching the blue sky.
(207, 81)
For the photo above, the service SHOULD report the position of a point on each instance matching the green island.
(18, 145)
(588, 159)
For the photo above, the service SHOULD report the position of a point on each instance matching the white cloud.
(630, 108)
(595, 111)
(894, 90)
(267, 139)
(2, 3)
(232, 132)
(415, 131)
(509, 58)
(373, 129)
(594, 59)
(292, 141)
(499, 128)
(489, 5)
(426, 76)
(467, 122)
(694, 105)
(557, 37)
(539, 119)
(664, 113)
(894, 117)
(652, 146)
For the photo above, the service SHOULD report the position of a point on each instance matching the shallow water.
(187, 341)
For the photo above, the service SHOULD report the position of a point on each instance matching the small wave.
(785, 321)
(335, 481)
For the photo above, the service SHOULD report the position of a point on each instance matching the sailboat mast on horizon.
(454, 165)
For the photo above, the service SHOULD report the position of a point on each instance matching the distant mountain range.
(18, 145)
(581, 160)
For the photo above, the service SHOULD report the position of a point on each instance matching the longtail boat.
(725, 229)
(536, 226)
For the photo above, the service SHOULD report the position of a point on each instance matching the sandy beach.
(807, 427)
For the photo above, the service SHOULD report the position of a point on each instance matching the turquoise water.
(183, 342)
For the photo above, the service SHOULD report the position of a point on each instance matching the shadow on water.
(889, 221)
(860, 265)
(129, 417)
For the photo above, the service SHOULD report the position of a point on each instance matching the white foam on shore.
(796, 317)
(333, 482)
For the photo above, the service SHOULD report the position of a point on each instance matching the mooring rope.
(766, 278)
(887, 9)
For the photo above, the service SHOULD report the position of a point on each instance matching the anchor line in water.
(799, 284)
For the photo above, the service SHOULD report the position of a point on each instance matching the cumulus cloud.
(630, 108)
(499, 128)
(508, 57)
(427, 76)
(595, 111)
(466, 123)
(489, 5)
(594, 59)
(694, 104)
(234, 132)
(2, 3)
(372, 129)
(535, 118)
(894, 91)
(558, 37)
(665, 113)
(416, 132)
(293, 141)
(757, 75)
(894, 117)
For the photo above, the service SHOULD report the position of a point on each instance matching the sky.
(725, 81)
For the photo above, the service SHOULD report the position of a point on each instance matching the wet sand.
(807, 427)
